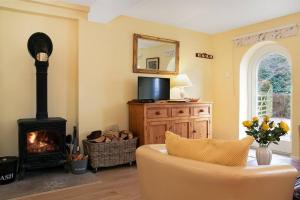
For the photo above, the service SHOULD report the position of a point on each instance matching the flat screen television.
(153, 88)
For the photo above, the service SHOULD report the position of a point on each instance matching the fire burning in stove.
(41, 142)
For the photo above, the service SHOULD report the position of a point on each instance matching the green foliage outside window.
(274, 78)
(276, 70)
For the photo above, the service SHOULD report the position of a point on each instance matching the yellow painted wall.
(226, 77)
(106, 81)
(17, 72)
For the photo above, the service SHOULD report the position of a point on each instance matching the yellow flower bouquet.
(267, 131)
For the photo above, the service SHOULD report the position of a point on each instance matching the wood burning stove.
(41, 139)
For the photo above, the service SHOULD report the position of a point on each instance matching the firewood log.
(109, 137)
(94, 135)
(124, 132)
(100, 139)
(123, 136)
(111, 134)
(79, 157)
(130, 135)
(107, 140)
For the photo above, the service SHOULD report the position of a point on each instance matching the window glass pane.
(274, 88)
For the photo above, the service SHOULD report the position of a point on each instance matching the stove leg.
(21, 173)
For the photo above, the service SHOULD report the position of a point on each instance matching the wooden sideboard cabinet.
(150, 121)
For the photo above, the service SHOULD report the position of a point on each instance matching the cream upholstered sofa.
(165, 177)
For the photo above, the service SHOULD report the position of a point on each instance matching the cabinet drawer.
(157, 113)
(181, 112)
(201, 110)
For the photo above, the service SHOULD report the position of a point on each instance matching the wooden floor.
(115, 184)
(120, 184)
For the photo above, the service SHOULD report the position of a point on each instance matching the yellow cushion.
(223, 152)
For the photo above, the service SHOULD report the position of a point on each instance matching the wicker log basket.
(110, 154)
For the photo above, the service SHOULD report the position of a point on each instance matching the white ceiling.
(209, 16)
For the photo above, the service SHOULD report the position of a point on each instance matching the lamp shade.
(182, 80)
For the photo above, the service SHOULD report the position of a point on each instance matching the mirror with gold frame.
(155, 55)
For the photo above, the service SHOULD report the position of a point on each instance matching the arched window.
(266, 86)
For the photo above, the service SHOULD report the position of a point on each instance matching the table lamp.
(181, 81)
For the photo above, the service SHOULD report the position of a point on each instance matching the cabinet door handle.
(180, 111)
(157, 113)
(194, 131)
(201, 110)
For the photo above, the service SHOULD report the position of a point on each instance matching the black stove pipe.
(41, 90)
(40, 48)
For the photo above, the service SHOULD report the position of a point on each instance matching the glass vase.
(263, 155)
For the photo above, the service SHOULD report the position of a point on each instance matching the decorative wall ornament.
(270, 34)
(204, 55)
